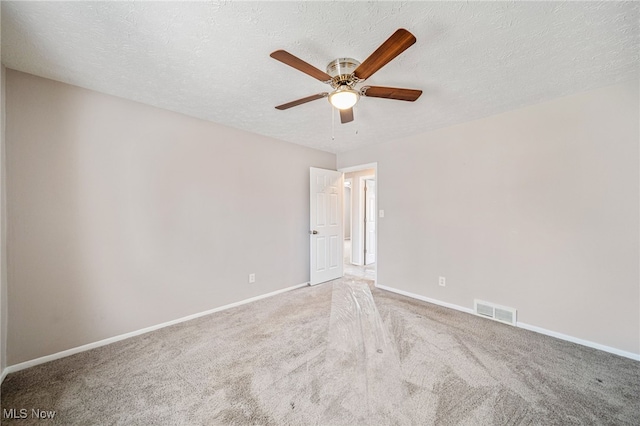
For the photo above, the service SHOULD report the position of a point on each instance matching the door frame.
(350, 207)
(376, 176)
(362, 228)
(365, 194)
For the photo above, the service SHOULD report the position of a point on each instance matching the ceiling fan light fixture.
(344, 97)
(344, 74)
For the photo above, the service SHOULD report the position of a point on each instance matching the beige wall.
(536, 209)
(122, 216)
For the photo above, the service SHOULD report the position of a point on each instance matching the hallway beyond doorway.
(367, 272)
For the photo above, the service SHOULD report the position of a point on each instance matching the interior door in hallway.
(326, 232)
(370, 221)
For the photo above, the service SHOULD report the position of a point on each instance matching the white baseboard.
(534, 328)
(426, 299)
(72, 351)
(582, 342)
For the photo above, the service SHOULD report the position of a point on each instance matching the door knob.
(314, 232)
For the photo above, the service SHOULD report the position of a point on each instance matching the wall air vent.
(495, 312)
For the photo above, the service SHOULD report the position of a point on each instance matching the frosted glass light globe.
(344, 98)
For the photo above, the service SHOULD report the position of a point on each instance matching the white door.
(370, 224)
(326, 225)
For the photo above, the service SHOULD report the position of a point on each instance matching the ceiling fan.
(345, 74)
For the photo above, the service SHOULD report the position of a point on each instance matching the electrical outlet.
(252, 278)
(442, 282)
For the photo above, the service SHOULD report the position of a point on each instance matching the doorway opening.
(360, 219)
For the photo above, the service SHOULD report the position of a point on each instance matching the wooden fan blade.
(302, 101)
(395, 45)
(346, 115)
(297, 63)
(391, 93)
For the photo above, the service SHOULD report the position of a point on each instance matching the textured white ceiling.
(211, 59)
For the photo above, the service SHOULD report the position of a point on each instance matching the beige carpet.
(332, 354)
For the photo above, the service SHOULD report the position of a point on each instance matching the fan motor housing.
(341, 70)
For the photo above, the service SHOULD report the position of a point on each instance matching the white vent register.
(495, 312)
